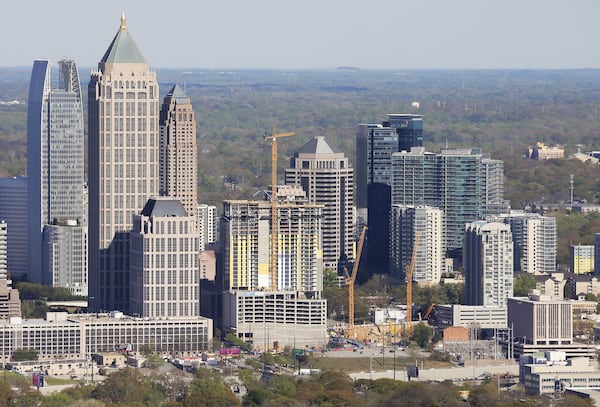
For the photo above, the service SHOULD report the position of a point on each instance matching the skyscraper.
(13, 209)
(294, 313)
(375, 144)
(245, 240)
(178, 150)
(123, 163)
(407, 222)
(328, 180)
(534, 239)
(208, 224)
(456, 180)
(488, 263)
(164, 265)
(55, 165)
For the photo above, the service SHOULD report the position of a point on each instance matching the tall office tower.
(456, 180)
(407, 222)
(13, 209)
(488, 263)
(178, 150)
(164, 265)
(328, 180)
(123, 163)
(55, 165)
(245, 242)
(534, 239)
(3, 250)
(208, 224)
(375, 144)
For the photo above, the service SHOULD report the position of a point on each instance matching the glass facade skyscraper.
(55, 165)
(455, 180)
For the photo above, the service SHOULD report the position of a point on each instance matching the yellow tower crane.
(274, 219)
(409, 278)
(351, 281)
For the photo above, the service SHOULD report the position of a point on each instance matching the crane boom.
(409, 276)
(274, 219)
(352, 279)
(429, 310)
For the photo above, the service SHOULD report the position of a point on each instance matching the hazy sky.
(395, 34)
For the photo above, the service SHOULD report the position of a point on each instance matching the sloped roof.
(163, 207)
(123, 49)
(317, 145)
(178, 94)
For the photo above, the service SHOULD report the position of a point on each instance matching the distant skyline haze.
(312, 34)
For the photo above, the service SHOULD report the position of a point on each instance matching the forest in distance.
(501, 111)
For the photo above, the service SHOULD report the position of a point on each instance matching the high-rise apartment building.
(246, 237)
(208, 224)
(407, 223)
(294, 313)
(488, 263)
(164, 261)
(582, 259)
(123, 163)
(13, 209)
(534, 239)
(178, 150)
(375, 144)
(464, 183)
(55, 165)
(328, 180)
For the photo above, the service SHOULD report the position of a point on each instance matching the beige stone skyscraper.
(178, 150)
(123, 164)
(328, 179)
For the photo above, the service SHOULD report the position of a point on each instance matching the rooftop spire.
(123, 24)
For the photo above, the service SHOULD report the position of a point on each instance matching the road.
(441, 374)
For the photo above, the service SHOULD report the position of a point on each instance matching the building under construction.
(266, 300)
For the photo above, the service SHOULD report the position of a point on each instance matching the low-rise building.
(479, 316)
(543, 152)
(550, 373)
(64, 336)
(264, 318)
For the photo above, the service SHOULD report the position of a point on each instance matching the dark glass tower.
(375, 144)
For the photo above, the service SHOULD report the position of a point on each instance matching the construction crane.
(428, 312)
(409, 277)
(351, 281)
(274, 219)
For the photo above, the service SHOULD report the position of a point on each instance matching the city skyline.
(258, 35)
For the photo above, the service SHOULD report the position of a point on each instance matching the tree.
(523, 284)
(128, 386)
(422, 334)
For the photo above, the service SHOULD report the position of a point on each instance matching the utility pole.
(571, 182)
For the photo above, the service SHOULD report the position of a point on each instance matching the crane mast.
(351, 281)
(409, 277)
(274, 218)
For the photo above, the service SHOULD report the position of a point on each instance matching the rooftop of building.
(123, 49)
(179, 94)
(317, 145)
(163, 206)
